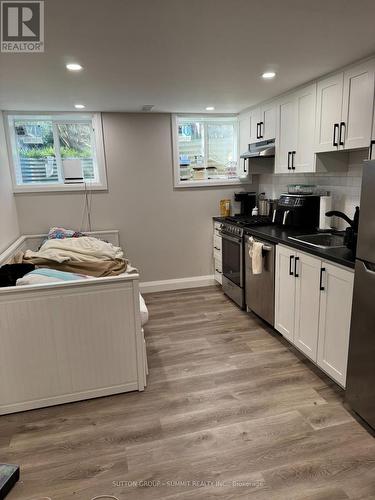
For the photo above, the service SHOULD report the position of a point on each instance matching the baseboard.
(177, 284)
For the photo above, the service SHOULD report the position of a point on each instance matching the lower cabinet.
(313, 308)
(218, 269)
(334, 321)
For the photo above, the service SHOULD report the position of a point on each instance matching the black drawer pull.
(342, 134)
(289, 167)
(322, 270)
(370, 150)
(296, 275)
(290, 265)
(335, 130)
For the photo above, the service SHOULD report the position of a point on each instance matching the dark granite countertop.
(277, 234)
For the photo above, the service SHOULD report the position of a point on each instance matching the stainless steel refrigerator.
(360, 385)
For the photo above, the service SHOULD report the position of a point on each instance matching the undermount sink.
(321, 240)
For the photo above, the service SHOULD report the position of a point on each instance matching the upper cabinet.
(268, 121)
(332, 114)
(345, 109)
(295, 131)
(261, 123)
(255, 125)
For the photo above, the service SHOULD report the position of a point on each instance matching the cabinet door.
(285, 285)
(244, 132)
(307, 304)
(358, 101)
(286, 133)
(268, 120)
(306, 112)
(329, 106)
(334, 324)
(254, 120)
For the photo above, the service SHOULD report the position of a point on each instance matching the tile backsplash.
(345, 187)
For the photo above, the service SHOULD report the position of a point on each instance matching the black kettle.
(351, 232)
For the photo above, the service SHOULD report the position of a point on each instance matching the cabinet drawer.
(217, 243)
(218, 271)
(218, 266)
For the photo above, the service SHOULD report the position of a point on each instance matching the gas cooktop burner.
(249, 220)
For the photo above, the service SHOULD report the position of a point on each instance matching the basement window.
(40, 143)
(205, 150)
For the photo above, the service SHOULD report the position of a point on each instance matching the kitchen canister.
(224, 208)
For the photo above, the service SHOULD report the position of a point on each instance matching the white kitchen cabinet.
(268, 121)
(217, 241)
(244, 132)
(304, 156)
(254, 121)
(345, 109)
(285, 291)
(295, 132)
(306, 326)
(357, 108)
(334, 324)
(285, 133)
(313, 304)
(328, 117)
(262, 123)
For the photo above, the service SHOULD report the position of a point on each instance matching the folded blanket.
(42, 276)
(96, 268)
(84, 249)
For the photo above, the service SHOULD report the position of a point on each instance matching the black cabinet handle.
(322, 270)
(217, 270)
(342, 134)
(289, 167)
(293, 154)
(244, 166)
(258, 131)
(290, 265)
(296, 275)
(335, 130)
(370, 150)
(261, 130)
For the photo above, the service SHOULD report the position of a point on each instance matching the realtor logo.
(22, 26)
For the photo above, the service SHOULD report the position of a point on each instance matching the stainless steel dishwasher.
(260, 288)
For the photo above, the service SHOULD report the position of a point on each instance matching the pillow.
(40, 276)
(59, 233)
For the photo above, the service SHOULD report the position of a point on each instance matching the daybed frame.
(69, 341)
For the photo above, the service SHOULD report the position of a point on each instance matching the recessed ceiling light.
(210, 108)
(268, 75)
(74, 67)
(79, 106)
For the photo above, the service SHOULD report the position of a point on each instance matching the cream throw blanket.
(84, 249)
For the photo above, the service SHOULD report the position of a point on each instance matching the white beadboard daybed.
(64, 342)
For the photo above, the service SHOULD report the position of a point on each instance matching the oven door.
(232, 258)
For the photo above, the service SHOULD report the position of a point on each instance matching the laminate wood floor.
(231, 411)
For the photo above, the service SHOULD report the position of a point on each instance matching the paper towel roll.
(325, 206)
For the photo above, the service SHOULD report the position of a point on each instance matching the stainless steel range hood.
(262, 149)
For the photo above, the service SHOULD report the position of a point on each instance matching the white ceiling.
(183, 55)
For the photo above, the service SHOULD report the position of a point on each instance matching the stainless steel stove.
(232, 232)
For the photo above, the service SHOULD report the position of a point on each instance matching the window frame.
(178, 183)
(57, 117)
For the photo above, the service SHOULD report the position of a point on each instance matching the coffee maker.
(297, 210)
(248, 200)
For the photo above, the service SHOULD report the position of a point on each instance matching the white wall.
(345, 187)
(166, 232)
(9, 230)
